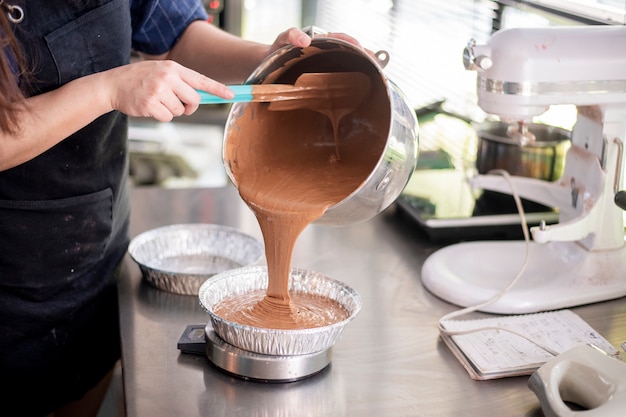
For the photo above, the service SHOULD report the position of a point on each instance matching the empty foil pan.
(277, 341)
(179, 258)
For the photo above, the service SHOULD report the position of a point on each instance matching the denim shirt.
(157, 24)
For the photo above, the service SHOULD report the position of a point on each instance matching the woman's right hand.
(158, 89)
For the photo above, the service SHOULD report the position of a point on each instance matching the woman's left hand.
(299, 38)
(292, 36)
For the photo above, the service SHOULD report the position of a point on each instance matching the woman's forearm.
(161, 88)
(48, 118)
(216, 53)
(156, 89)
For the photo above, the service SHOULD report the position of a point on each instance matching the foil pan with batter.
(277, 341)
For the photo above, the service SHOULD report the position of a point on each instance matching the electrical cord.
(448, 317)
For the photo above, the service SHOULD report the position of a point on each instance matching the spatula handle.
(243, 93)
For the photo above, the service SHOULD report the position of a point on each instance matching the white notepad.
(491, 354)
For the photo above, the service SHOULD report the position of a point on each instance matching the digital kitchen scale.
(202, 340)
(442, 202)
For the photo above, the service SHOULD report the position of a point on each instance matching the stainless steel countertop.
(389, 361)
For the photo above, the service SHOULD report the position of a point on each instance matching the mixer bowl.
(277, 341)
(544, 159)
(386, 115)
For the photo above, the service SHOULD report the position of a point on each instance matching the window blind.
(425, 41)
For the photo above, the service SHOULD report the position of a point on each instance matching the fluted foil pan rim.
(149, 249)
(280, 342)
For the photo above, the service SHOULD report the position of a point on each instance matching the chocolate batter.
(311, 311)
(286, 167)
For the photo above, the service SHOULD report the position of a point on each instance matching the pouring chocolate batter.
(287, 168)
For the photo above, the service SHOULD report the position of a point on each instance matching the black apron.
(64, 216)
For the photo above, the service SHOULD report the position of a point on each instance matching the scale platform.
(202, 340)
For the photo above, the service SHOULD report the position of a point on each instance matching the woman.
(66, 90)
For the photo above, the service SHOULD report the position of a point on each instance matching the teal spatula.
(308, 86)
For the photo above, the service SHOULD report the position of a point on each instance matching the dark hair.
(11, 96)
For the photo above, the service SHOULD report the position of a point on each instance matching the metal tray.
(180, 258)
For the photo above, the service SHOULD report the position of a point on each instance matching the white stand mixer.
(582, 259)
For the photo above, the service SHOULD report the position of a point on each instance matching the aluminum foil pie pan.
(179, 258)
(277, 341)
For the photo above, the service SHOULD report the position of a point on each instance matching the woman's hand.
(292, 36)
(297, 37)
(158, 89)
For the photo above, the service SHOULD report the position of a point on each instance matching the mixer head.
(497, 95)
(522, 72)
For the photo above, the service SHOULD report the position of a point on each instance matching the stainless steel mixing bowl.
(397, 160)
(277, 341)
